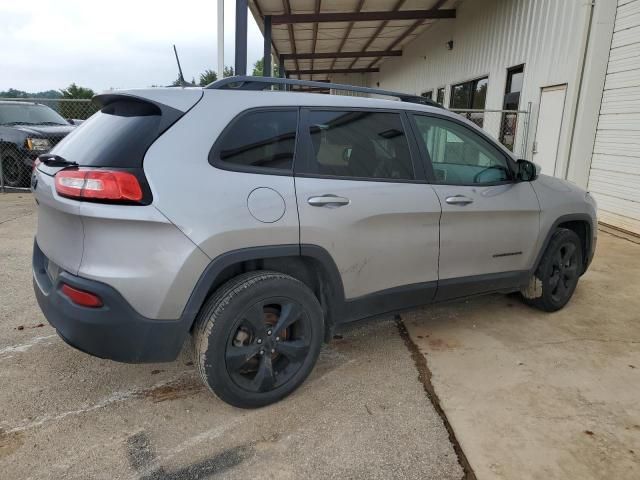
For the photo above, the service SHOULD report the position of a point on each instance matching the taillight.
(81, 297)
(112, 185)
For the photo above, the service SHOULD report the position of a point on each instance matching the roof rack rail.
(242, 82)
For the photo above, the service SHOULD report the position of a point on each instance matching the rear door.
(490, 221)
(362, 196)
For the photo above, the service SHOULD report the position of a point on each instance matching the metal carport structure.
(315, 39)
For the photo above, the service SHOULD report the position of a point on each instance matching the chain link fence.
(30, 127)
(510, 127)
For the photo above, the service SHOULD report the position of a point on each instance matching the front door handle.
(459, 200)
(330, 201)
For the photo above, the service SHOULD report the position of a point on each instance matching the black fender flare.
(334, 288)
(571, 217)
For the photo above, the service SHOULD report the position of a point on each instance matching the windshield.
(29, 114)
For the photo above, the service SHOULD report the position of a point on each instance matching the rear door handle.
(330, 201)
(459, 200)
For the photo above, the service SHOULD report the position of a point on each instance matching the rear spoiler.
(181, 99)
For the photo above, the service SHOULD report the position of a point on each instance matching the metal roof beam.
(289, 19)
(335, 70)
(307, 56)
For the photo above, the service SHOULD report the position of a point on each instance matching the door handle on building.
(459, 200)
(331, 201)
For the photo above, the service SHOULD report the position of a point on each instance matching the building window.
(509, 123)
(440, 96)
(470, 95)
(428, 94)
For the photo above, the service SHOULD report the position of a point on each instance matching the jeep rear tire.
(257, 338)
(558, 273)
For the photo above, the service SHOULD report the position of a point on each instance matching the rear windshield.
(116, 136)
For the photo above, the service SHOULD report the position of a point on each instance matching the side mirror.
(526, 171)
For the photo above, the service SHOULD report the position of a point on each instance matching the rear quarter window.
(260, 141)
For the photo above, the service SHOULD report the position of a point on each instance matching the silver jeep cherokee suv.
(257, 221)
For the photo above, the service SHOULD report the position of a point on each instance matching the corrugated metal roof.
(330, 37)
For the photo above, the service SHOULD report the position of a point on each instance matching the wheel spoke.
(569, 250)
(561, 288)
(236, 357)
(295, 350)
(571, 270)
(557, 259)
(255, 318)
(265, 377)
(554, 279)
(289, 314)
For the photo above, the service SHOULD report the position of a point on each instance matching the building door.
(545, 147)
(614, 178)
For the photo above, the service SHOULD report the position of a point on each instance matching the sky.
(48, 44)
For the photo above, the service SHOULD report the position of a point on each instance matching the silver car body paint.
(389, 235)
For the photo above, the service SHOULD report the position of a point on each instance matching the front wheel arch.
(579, 223)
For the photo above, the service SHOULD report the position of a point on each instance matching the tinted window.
(458, 155)
(440, 98)
(359, 144)
(29, 114)
(263, 139)
(116, 136)
(515, 78)
(470, 95)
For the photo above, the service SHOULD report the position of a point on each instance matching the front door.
(362, 198)
(545, 147)
(490, 222)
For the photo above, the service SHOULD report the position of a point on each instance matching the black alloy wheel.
(257, 338)
(268, 345)
(558, 273)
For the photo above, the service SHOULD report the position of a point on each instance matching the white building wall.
(614, 178)
(490, 36)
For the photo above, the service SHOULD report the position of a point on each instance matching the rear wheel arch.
(310, 264)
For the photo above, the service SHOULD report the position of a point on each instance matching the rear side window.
(359, 144)
(258, 140)
(116, 136)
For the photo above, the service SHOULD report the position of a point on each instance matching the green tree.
(228, 72)
(74, 91)
(209, 76)
(258, 69)
(14, 93)
(79, 110)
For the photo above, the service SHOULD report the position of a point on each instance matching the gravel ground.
(363, 413)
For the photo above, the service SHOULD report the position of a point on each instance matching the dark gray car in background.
(27, 129)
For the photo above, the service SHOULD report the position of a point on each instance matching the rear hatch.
(113, 140)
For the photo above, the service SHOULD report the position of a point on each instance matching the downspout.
(583, 61)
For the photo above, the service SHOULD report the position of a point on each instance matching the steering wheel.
(476, 177)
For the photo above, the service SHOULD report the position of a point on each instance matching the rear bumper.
(114, 331)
